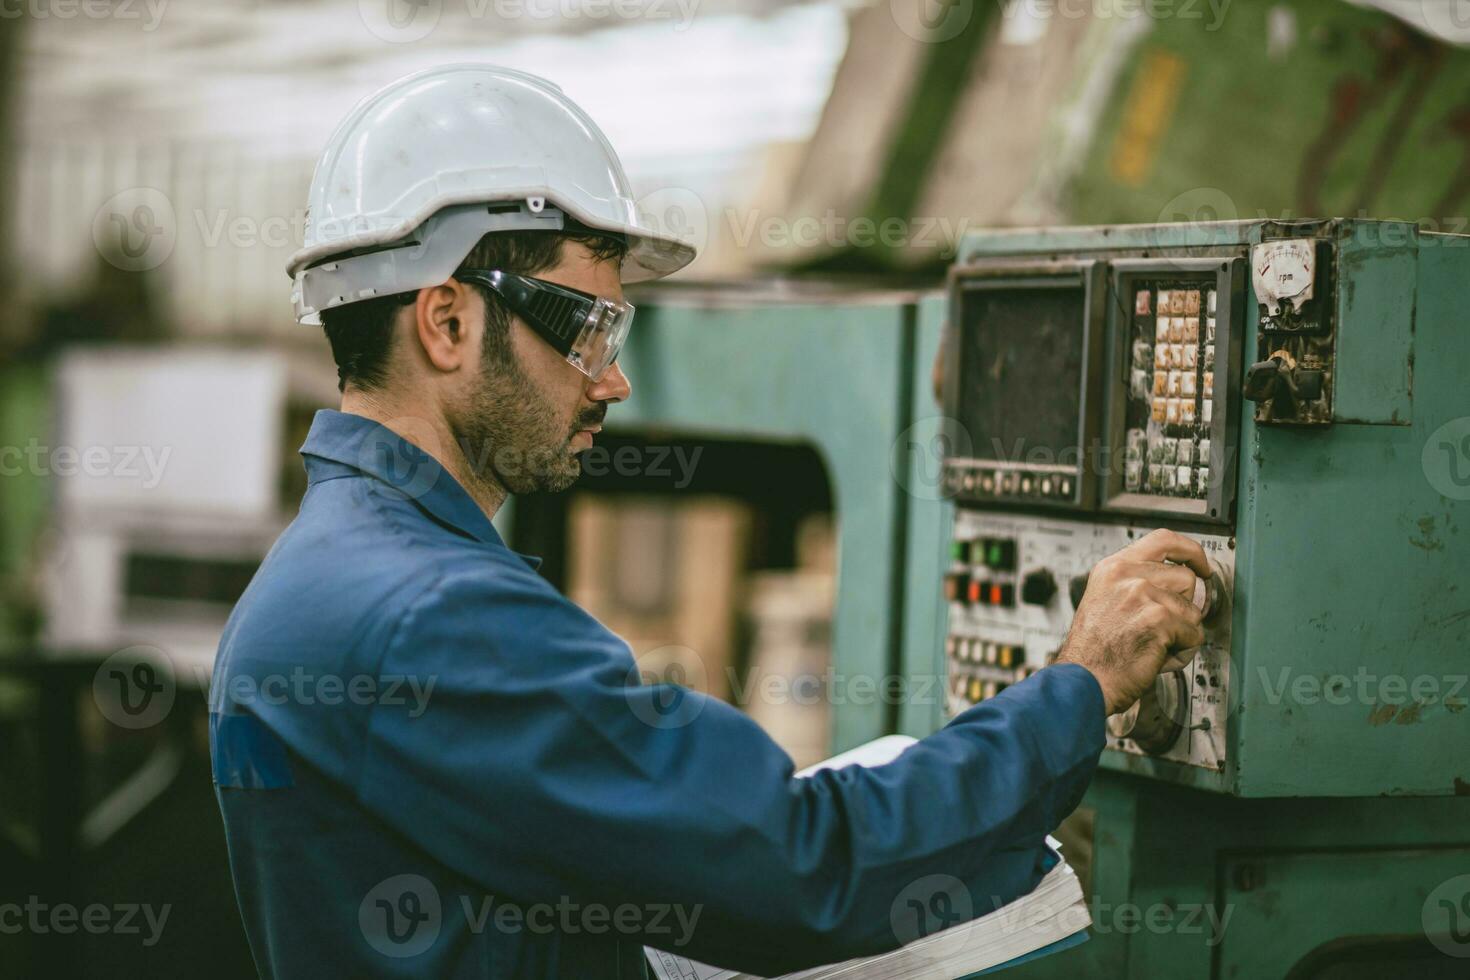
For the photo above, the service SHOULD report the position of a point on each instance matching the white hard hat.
(419, 171)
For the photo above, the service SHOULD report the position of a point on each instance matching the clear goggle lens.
(601, 339)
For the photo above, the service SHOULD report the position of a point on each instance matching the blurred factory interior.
(826, 156)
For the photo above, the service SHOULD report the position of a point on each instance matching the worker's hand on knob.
(1136, 612)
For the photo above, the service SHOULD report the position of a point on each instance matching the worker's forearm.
(964, 811)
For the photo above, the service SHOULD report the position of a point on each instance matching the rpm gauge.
(1283, 272)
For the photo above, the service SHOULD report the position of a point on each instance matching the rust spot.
(1410, 714)
(1382, 714)
(1455, 705)
(1427, 539)
(1462, 788)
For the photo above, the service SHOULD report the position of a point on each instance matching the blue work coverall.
(432, 764)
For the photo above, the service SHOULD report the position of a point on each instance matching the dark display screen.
(1021, 372)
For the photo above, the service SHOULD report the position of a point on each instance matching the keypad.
(1171, 390)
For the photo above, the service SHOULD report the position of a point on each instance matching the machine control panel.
(1258, 386)
(1094, 400)
(1012, 586)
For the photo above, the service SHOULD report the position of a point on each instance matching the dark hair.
(361, 334)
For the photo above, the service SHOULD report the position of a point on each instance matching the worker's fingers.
(1166, 545)
(1179, 579)
(1176, 618)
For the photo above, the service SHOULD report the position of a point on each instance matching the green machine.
(830, 370)
(1296, 801)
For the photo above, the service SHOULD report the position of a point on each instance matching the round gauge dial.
(1283, 270)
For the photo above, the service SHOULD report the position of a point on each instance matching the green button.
(957, 550)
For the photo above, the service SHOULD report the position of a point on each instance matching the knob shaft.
(1217, 596)
(1076, 588)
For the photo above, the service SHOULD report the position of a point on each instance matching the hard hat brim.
(369, 263)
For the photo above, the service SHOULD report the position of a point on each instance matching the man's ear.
(443, 316)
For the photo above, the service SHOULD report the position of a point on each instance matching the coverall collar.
(341, 443)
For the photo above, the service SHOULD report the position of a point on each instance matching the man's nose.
(613, 387)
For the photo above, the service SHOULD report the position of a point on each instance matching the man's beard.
(510, 436)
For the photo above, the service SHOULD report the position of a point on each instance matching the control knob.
(1157, 718)
(1038, 587)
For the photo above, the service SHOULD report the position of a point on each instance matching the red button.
(995, 595)
(975, 592)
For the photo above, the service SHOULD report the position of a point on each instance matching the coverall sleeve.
(540, 769)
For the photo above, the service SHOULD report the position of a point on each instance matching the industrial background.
(755, 518)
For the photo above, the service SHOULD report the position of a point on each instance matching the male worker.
(458, 739)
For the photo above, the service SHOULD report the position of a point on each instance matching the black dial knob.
(1038, 587)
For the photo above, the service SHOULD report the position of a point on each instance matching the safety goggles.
(587, 330)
